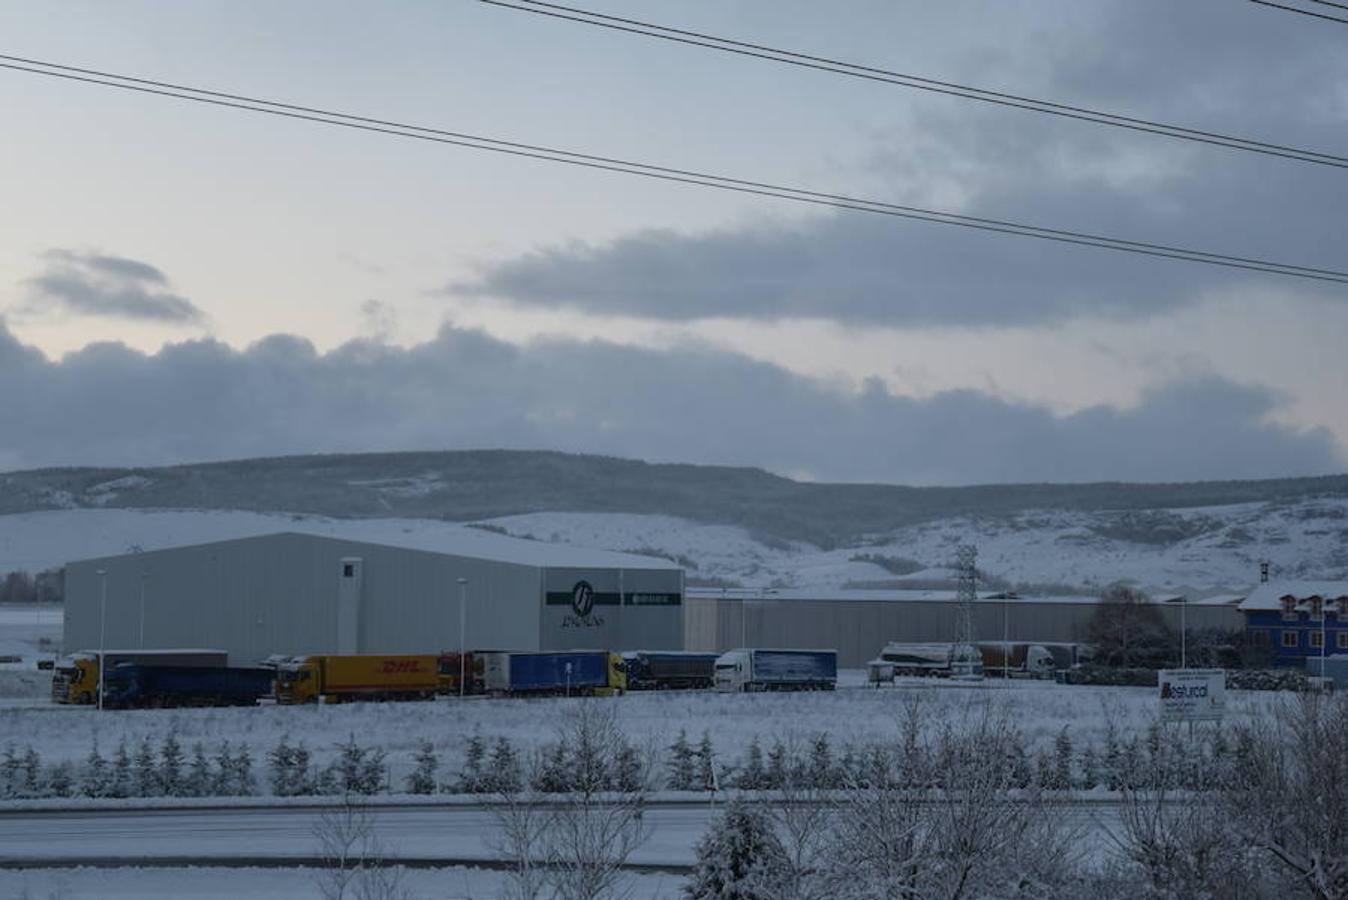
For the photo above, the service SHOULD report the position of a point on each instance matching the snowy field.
(852, 715)
(262, 884)
(1200, 551)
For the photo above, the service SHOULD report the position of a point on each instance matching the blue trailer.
(551, 672)
(777, 670)
(136, 686)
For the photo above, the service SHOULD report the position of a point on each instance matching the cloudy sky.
(182, 283)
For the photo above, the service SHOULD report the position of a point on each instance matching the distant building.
(1298, 620)
(292, 593)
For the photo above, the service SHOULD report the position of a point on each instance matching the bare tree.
(1128, 630)
(576, 843)
(1288, 795)
(354, 866)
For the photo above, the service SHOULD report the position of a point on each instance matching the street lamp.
(463, 626)
(143, 576)
(1184, 634)
(102, 632)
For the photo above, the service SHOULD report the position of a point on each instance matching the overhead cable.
(1306, 12)
(916, 82)
(663, 173)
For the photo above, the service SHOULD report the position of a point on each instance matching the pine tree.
(1062, 761)
(1113, 762)
(821, 773)
(752, 776)
(850, 770)
(1043, 769)
(222, 781)
(120, 784)
(706, 763)
(505, 766)
(9, 771)
(628, 771)
(171, 767)
(61, 781)
(281, 762)
(473, 779)
(421, 780)
(777, 775)
(32, 772)
(682, 776)
(1090, 769)
(241, 772)
(554, 775)
(95, 780)
(198, 782)
(739, 858)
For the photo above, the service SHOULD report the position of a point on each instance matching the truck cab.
(75, 679)
(298, 681)
(617, 674)
(733, 671)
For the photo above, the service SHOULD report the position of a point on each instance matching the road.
(284, 836)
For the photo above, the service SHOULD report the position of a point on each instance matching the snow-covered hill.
(1205, 550)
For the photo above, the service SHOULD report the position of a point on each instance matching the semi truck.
(371, 676)
(586, 672)
(449, 666)
(930, 659)
(75, 679)
(655, 670)
(1017, 659)
(132, 686)
(777, 670)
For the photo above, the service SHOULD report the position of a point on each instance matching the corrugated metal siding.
(858, 629)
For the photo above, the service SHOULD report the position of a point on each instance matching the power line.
(916, 82)
(662, 173)
(1306, 12)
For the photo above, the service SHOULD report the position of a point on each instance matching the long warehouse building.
(293, 593)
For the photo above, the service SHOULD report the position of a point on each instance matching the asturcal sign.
(1191, 695)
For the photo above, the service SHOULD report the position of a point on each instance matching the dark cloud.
(93, 284)
(203, 400)
(1197, 63)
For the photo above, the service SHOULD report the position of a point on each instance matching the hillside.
(464, 486)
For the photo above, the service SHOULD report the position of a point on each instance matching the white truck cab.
(733, 670)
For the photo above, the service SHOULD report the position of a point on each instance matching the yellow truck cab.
(617, 674)
(297, 680)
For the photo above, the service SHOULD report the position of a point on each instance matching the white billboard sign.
(1192, 695)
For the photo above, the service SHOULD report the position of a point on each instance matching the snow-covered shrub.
(739, 858)
(421, 780)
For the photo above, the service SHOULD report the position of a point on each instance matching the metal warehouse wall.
(279, 594)
(635, 609)
(857, 629)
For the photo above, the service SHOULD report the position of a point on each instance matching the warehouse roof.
(1269, 595)
(875, 596)
(459, 540)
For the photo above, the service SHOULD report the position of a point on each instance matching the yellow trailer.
(374, 676)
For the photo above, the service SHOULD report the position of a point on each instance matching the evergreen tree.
(421, 780)
(821, 773)
(171, 767)
(706, 763)
(61, 781)
(281, 763)
(95, 780)
(222, 781)
(682, 775)
(879, 770)
(10, 779)
(1043, 769)
(146, 776)
(1062, 761)
(473, 778)
(778, 773)
(507, 777)
(32, 772)
(739, 858)
(1021, 775)
(121, 781)
(241, 772)
(850, 768)
(752, 776)
(1113, 773)
(628, 774)
(199, 779)
(554, 775)
(1090, 769)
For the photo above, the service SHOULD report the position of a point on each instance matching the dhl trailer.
(335, 679)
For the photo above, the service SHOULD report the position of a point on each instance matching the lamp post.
(143, 577)
(463, 626)
(1184, 634)
(1006, 636)
(102, 631)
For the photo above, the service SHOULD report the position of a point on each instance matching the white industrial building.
(293, 593)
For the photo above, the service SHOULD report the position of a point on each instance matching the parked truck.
(133, 686)
(930, 659)
(777, 670)
(373, 676)
(656, 670)
(1015, 659)
(75, 678)
(450, 666)
(585, 672)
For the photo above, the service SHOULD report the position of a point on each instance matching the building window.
(1341, 640)
(1317, 639)
(1289, 639)
(348, 570)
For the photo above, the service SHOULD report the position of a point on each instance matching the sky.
(184, 283)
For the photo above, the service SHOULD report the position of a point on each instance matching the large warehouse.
(294, 593)
(858, 623)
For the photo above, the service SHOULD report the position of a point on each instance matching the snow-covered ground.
(204, 883)
(1199, 551)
